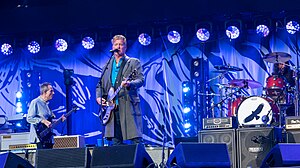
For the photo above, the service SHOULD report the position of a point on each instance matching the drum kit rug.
(256, 110)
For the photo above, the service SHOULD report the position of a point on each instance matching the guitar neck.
(115, 93)
(60, 118)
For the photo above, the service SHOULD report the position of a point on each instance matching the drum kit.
(255, 110)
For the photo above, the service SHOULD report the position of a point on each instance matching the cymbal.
(209, 94)
(227, 68)
(222, 71)
(277, 57)
(245, 83)
(220, 85)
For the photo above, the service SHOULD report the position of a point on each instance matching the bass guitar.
(45, 133)
(110, 105)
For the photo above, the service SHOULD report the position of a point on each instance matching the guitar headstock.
(132, 74)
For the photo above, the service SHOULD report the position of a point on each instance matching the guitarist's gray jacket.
(128, 99)
(38, 110)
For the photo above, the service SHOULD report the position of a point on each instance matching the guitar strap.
(119, 78)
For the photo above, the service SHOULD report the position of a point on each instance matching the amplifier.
(7, 140)
(292, 122)
(71, 141)
(219, 123)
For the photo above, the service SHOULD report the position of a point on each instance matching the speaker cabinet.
(293, 136)
(11, 160)
(253, 145)
(199, 155)
(286, 155)
(72, 157)
(124, 156)
(226, 136)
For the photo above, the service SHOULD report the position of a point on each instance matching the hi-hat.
(227, 68)
(277, 57)
(245, 83)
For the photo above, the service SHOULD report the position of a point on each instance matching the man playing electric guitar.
(125, 122)
(40, 114)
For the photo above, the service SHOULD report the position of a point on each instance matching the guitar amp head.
(219, 123)
(72, 141)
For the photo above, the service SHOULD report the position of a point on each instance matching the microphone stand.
(297, 79)
(162, 164)
(99, 85)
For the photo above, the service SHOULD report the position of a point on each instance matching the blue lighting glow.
(88, 43)
(203, 34)
(232, 32)
(292, 27)
(174, 37)
(187, 125)
(186, 110)
(61, 45)
(19, 125)
(33, 47)
(19, 94)
(6, 49)
(144, 39)
(262, 30)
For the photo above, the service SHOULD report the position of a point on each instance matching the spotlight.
(292, 27)
(144, 39)
(19, 109)
(6, 49)
(174, 37)
(232, 32)
(203, 34)
(19, 104)
(88, 43)
(61, 45)
(19, 94)
(262, 30)
(187, 125)
(33, 47)
(186, 110)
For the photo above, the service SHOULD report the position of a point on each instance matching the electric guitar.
(110, 105)
(45, 133)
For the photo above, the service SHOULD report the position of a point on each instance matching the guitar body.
(108, 108)
(44, 133)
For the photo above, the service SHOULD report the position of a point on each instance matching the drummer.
(284, 71)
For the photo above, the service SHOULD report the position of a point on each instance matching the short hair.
(119, 37)
(44, 87)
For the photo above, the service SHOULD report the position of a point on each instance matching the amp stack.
(247, 146)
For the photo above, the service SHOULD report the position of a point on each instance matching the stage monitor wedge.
(283, 155)
(123, 156)
(200, 155)
(11, 160)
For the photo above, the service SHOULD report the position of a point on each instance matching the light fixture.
(232, 32)
(61, 45)
(174, 37)
(6, 49)
(262, 30)
(88, 43)
(144, 39)
(33, 47)
(292, 27)
(203, 34)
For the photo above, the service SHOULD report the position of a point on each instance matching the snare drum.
(233, 105)
(257, 111)
(275, 82)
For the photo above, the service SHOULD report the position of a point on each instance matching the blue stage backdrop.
(165, 66)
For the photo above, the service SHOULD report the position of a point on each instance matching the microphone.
(115, 50)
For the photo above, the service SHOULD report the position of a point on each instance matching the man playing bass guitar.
(39, 114)
(124, 75)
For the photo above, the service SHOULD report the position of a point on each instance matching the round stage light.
(203, 34)
(6, 49)
(33, 47)
(88, 43)
(144, 39)
(174, 37)
(292, 27)
(19, 94)
(232, 32)
(61, 45)
(262, 30)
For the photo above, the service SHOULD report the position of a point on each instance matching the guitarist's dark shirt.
(38, 110)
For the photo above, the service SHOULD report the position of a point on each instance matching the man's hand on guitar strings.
(46, 122)
(103, 102)
(63, 118)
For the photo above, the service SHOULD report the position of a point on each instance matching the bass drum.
(233, 105)
(257, 110)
